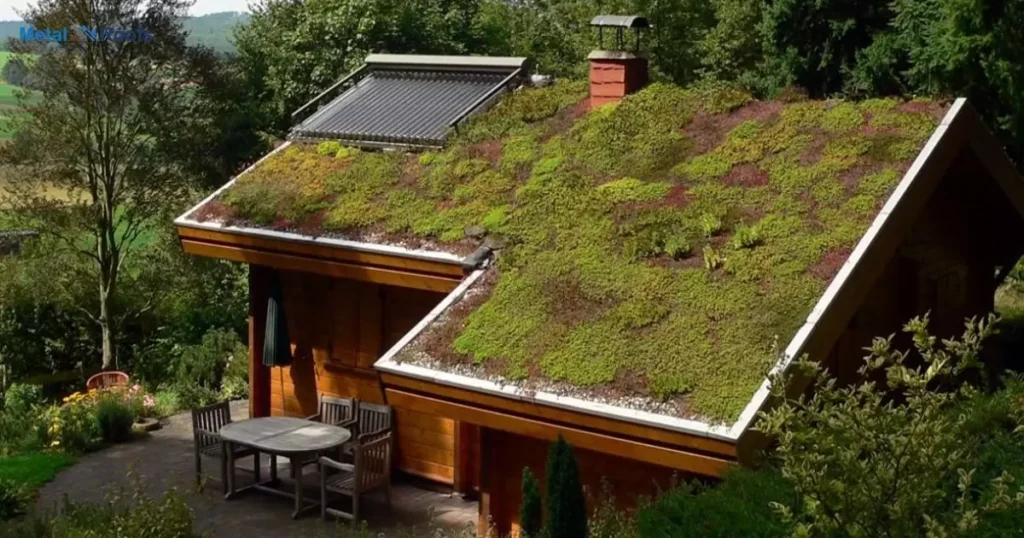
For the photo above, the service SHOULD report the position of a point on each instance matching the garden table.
(293, 438)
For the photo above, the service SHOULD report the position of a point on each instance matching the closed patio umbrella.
(277, 349)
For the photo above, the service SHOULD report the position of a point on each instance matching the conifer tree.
(530, 509)
(567, 510)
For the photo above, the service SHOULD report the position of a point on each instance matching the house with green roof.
(504, 261)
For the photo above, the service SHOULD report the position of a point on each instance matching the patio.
(165, 461)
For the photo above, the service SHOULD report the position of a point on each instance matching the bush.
(70, 427)
(14, 499)
(19, 419)
(167, 403)
(191, 396)
(19, 432)
(21, 398)
(893, 458)
(530, 508)
(607, 521)
(567, 509)
(738, 506)
(204, 364)
(235, 385)
(114, 417)
(167, 517)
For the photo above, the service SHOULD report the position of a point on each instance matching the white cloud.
(9, 8)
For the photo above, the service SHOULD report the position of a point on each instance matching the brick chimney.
(615, 73)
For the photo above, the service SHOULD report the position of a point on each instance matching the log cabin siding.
(338, 330)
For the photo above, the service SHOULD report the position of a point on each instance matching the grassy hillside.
(8, 100)
(214, 30)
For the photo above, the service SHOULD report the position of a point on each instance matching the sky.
(201, 7)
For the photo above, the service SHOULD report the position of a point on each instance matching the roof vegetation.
(655, 247)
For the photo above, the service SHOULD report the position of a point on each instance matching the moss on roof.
(656, 247)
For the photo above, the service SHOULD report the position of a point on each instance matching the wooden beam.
(625, 448)
(290, 262)
(259, 375)
(327, 252)
(565, 416)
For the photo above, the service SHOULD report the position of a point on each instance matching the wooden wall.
(339, 328)
(504, 455)
(944, 266)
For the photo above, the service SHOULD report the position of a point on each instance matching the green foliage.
(712, 259)
(710, 224)
(530, 515)
(746, 236)
(21, 398)
(114, 417)
(143, 517)
(235, 383)
(295, 51)
(14, 500)
(557, 37)
(329, 147)
(607, 520)
(741, 505)
(204, 364)
(566, 514)
(71, 428)
(865, 463)
(167, 403)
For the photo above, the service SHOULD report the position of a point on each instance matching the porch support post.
(259, 375)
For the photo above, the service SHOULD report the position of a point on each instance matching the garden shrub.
(166, 403)
(14, 499)
(530, 516)
(566, 514)
(235, 384)
(740, 505)
(192, 396)
(204, 364)
(144, 517)
(21, 398)
(114, 417)
(607, 520)
(71, 427)
(203, 369)
(895, 458)
(19, 432)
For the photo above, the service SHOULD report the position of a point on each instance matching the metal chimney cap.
(620, 21)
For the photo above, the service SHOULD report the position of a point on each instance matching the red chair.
(103, 380)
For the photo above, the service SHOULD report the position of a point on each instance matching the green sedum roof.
(656, 248)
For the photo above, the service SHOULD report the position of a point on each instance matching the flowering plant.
(72, 426)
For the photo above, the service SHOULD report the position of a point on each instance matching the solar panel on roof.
(410, 100)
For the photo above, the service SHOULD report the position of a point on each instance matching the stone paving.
(164, 460)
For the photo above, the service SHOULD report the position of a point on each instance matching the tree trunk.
(106, 321)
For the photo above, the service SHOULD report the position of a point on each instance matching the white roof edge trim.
(387, 363)
(796, 345)
(426, 255)
(445, 61)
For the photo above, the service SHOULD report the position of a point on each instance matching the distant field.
(8, 100)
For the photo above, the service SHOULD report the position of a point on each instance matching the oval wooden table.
(292, 438)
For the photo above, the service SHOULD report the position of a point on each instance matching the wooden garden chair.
(370, 471)
(335, 411)
(206, 423)
(371, 419)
